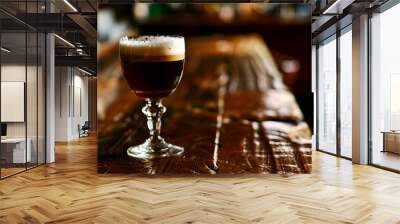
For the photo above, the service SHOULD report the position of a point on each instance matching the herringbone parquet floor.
(70, 191)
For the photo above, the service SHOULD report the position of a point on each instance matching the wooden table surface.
(231, 112)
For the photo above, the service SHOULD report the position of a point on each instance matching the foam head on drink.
(152, 65)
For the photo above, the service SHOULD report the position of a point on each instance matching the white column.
(50, 98)
(360, 90)
(50, 92)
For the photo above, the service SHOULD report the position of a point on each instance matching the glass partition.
(22, 88)
(326, 61)
(13, 105)
(346, 92)
(32, 98)
(385, 89)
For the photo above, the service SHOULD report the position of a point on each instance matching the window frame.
(378, 10)
(334, 36)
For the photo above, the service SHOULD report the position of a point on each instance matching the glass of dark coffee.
(153, 67)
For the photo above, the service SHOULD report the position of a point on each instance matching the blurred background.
(286, 29)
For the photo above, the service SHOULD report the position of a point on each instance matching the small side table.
(16, 147)
(391, 141)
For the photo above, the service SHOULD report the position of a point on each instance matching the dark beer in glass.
(153, 67)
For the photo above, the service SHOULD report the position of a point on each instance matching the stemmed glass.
(153, 67)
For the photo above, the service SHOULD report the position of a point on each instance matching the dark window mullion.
(317, 97)
(26, 86)
(338, 95)
(37, 90)
(369, 100)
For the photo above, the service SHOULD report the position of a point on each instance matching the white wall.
(71, 94)
(61, 103)
(80, 110)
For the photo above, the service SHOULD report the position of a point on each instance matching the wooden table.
(232, 114)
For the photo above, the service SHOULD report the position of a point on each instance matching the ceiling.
(74, 21)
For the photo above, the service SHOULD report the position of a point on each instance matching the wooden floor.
(387, 159)
(70, 191)
(10, 171)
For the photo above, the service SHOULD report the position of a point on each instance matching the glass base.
(149, 151)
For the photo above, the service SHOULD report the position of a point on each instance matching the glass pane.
(345, 94)
(327, 96)
(23, 83)
(32, 98)
(13, 86)
(385, 84)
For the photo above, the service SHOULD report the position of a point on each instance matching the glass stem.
(154, 111)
